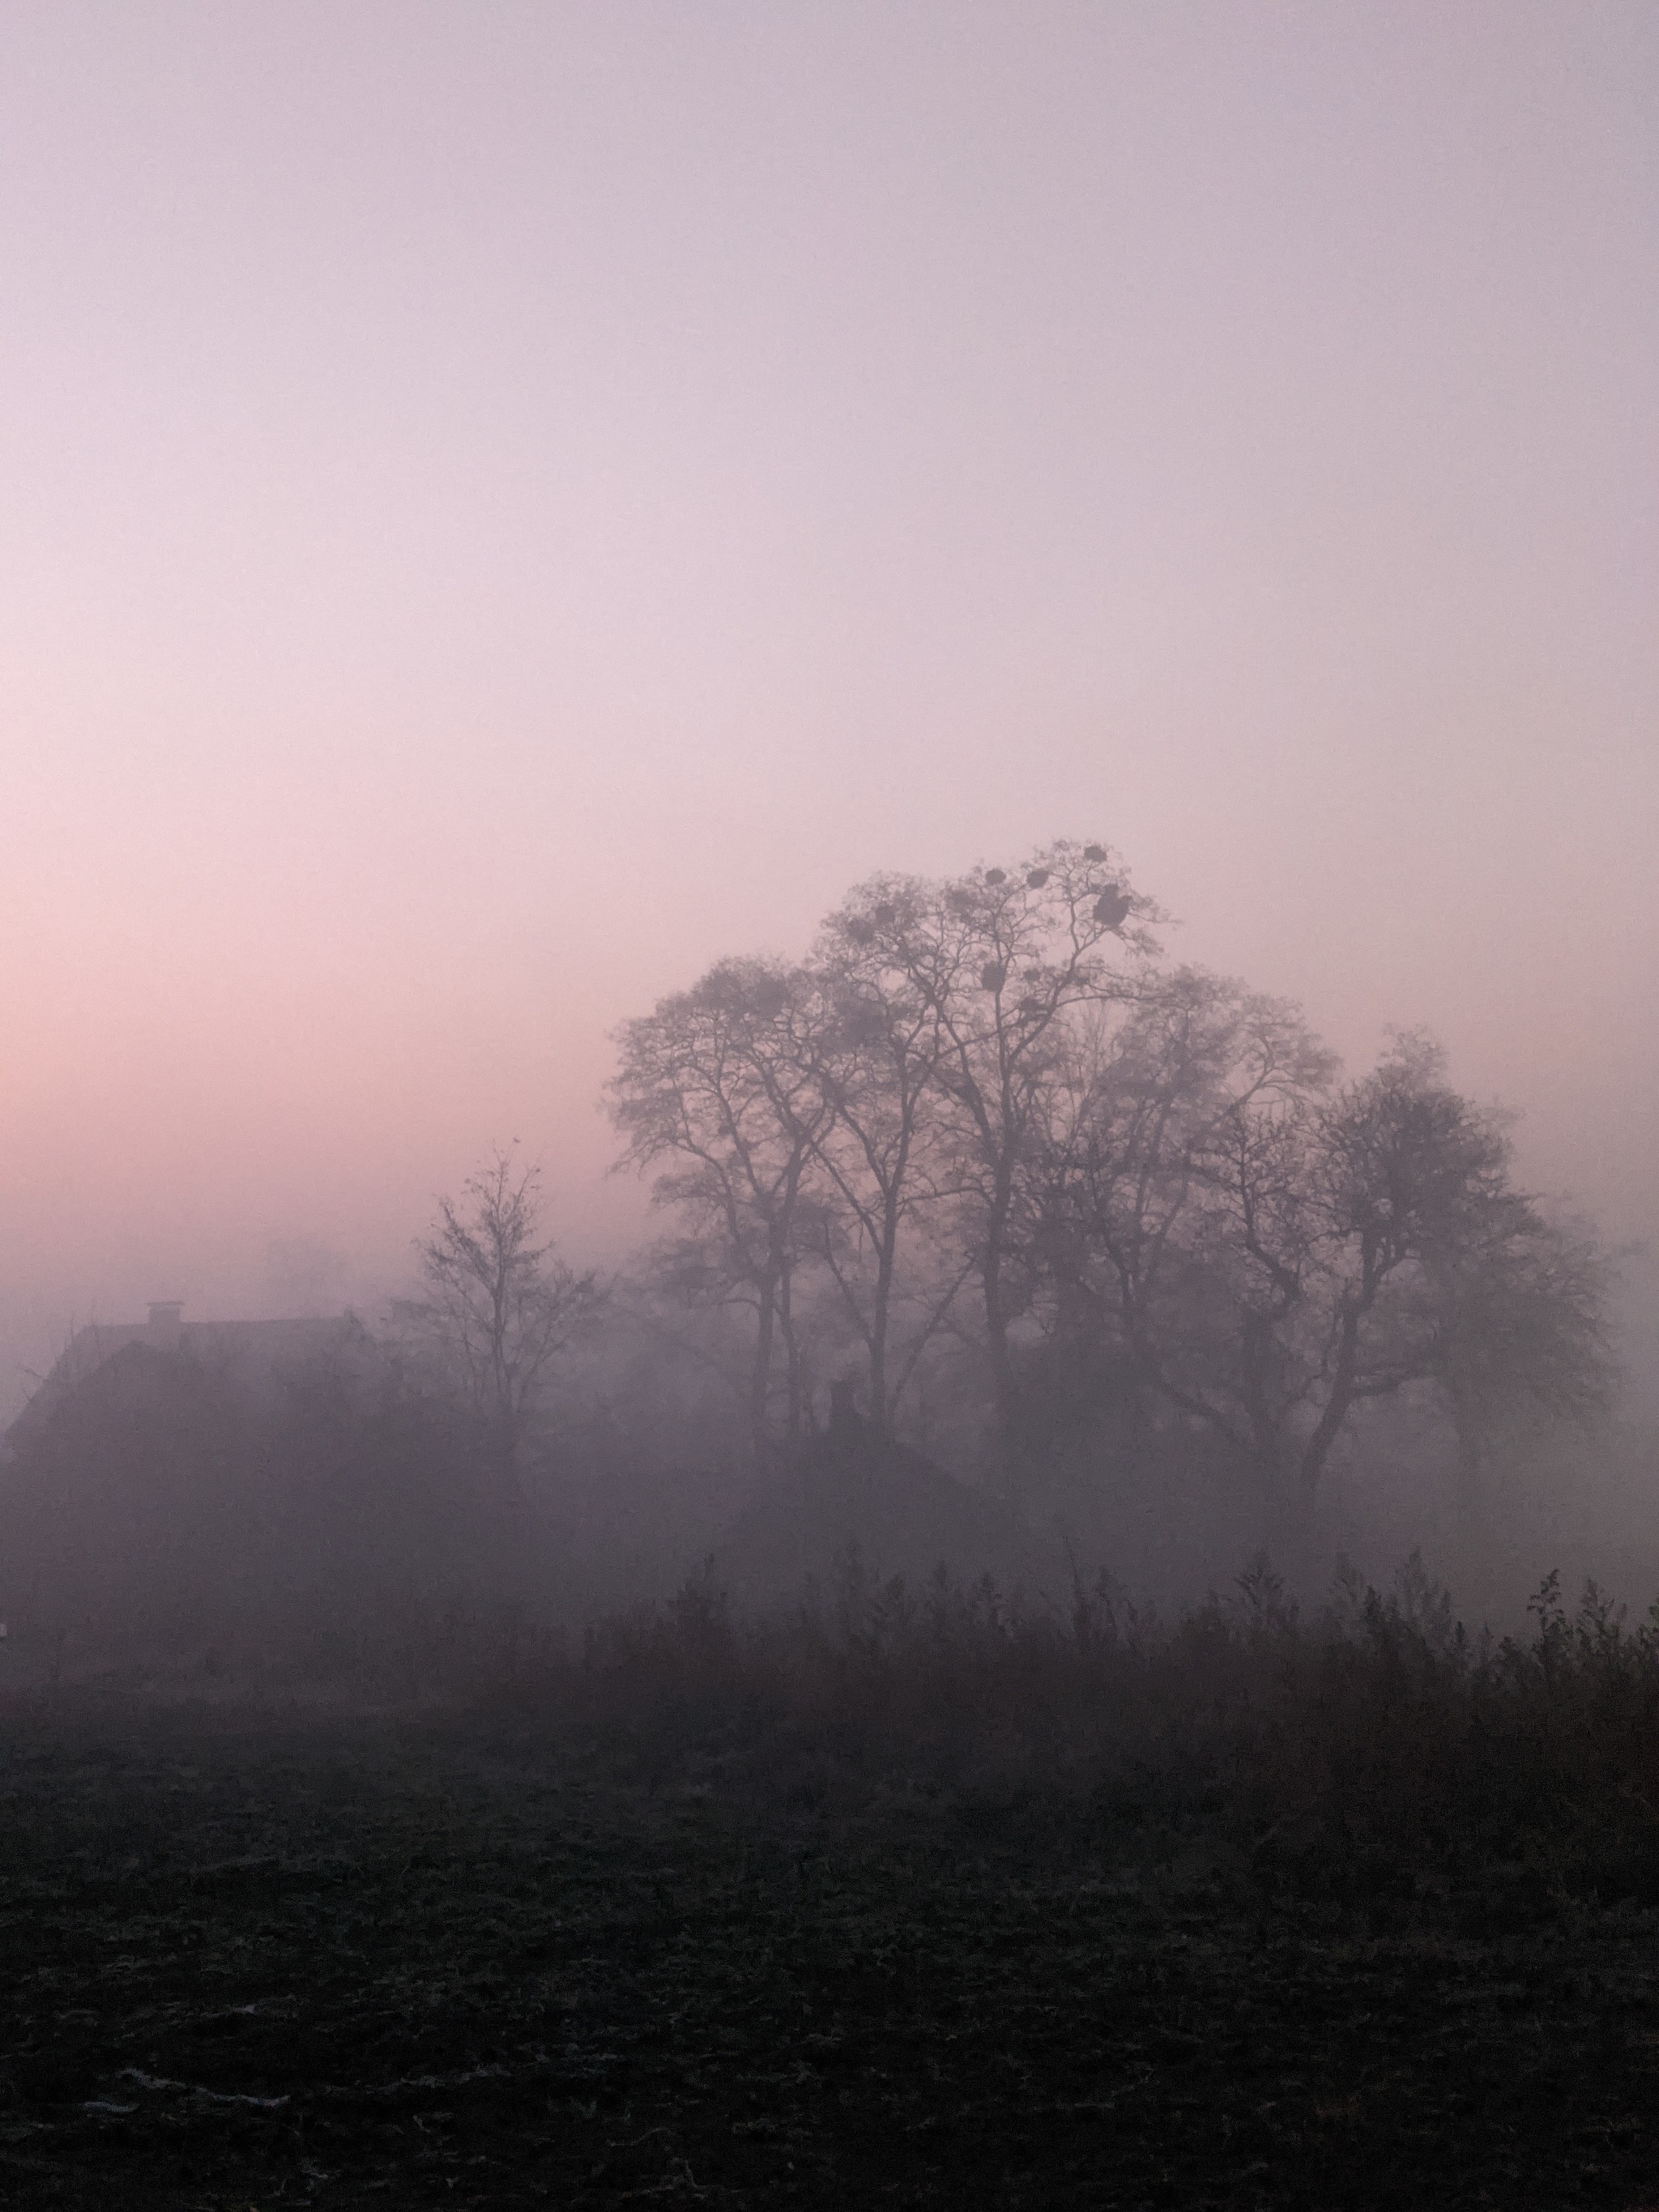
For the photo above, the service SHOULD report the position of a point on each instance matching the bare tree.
(986, 1083)
(1003, 962)
(817, 1113)
(878, 1047)
(1126, 1210)
(1275, 1254)
(501, 1305)
(719, 1091)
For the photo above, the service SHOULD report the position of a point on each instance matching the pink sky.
(501, 506)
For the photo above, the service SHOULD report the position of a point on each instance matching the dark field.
(720, 1953)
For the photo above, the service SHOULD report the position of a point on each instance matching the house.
(856, 1502)
(253, 1356)
(173, 1482)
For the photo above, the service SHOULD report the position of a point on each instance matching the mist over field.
(828, 1124)
(501, 522)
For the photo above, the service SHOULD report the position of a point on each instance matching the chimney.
(166, 1330)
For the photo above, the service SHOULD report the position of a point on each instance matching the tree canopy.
(984, 1115)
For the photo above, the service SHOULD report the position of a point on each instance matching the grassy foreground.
(911, 1905)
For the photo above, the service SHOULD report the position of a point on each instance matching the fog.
(506, 513)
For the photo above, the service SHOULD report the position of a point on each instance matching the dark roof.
(253, 1352)
(905, 1515)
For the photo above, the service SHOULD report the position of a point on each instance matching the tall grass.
(1350, 1748)
(1333, 1747)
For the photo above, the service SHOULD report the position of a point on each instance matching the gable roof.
(904, 1515)
(254, 1353)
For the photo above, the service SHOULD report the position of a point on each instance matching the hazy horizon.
(502, 510)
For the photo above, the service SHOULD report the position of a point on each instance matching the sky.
(501, 507)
